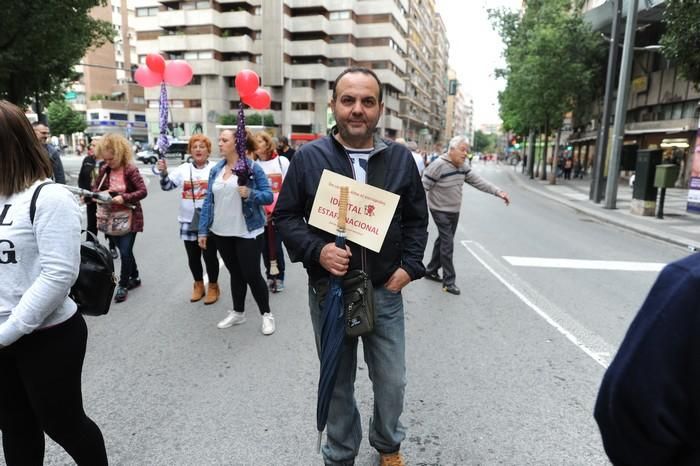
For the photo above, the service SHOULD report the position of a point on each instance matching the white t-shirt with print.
(180, 176)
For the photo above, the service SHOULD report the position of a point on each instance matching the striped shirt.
(443, 182)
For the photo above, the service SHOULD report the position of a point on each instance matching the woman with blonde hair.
(121, 179)
(42, 336)
(233, 215)
(275, 167)
(194, 179)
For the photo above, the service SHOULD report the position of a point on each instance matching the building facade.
(104, 91)
(297, 47)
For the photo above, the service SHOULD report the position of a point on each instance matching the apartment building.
(424, 102)
(104, 91)
(297, 47)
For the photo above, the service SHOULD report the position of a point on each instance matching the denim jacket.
(260, 195)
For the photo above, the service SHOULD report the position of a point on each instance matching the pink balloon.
(247, 81)
(155, 62)
(177, 73)
(146, 77)
(259, 100)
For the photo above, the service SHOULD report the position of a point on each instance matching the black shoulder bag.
(194, 223)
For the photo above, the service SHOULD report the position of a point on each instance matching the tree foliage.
(553, 63)
(40, 43)
(65, 120)
(484, 142)
(254, 119)
(681, 39)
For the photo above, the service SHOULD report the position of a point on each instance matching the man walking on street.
(284, 149)
(42, 133)
(354, 151)
(443, 179)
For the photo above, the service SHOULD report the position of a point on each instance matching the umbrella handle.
(318, 444)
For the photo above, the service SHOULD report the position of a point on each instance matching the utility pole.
(596, 193)
(623, 87)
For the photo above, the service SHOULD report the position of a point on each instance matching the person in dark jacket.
(354, 151)
(648, 408)
(121, 179)
(42, 133)
(86, 178)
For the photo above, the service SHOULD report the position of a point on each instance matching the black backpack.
(93, 289)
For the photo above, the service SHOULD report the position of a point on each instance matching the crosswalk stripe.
(560, 263)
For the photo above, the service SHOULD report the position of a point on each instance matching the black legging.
(194, 259)
(41, 392)
(242, 259)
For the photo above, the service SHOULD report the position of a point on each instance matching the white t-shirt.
(180, 176)
(360, 161)
(39, 262)
(228, 209)
(276, 170)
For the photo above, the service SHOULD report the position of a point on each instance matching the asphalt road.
(505, 373)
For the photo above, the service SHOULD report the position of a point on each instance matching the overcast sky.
(475, 51)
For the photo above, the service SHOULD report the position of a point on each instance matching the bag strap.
(35, 196)
(192, 187)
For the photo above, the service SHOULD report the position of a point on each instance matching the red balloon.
(177, 73)
(259, 100)
(247, 82)
(146, 77)
(155, 62)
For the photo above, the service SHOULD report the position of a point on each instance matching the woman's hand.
(202, 240)
(244, 191)
(118, 200)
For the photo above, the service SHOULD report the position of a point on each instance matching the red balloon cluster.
(176, 73)
(247, 85)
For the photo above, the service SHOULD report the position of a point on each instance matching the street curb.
(665, 237)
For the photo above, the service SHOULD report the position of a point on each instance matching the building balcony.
(662, 126)
(392, 103)
(391, 121)
(238, 19)
(239, 44)
(205, 67)
(301, 94)
(308, 71)
(300, 117)
(389, 77)
(231, 68)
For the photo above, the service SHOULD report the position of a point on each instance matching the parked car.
(177, 150)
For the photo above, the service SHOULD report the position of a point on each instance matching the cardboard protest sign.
(369, 214)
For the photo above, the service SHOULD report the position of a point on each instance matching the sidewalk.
(677, 227)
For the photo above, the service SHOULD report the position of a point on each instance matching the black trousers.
(41, 392)
(194, 260)
(443, 249)
(242, 259)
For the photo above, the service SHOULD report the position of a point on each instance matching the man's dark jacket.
(648, 407)
(406, 238)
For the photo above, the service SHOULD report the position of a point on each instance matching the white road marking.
(560, 263)
(588, 342)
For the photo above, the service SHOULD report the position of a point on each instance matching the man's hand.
(334, 259)
(504, 195)
(202, 240)
(398, 280)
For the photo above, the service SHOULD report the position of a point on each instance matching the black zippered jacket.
(407, 236)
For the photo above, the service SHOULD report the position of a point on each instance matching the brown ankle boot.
(197, 291)
(212, 294)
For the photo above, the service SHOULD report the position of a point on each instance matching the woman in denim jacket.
(233, 216)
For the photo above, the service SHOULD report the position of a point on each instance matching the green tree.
(65, 120)
(681, 39)
(484, 142)
(253, 119)
(552, 61)
(40, 43)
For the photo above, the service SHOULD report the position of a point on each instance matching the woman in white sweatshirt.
(42, 337)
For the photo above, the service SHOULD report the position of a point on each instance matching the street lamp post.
(621, 106)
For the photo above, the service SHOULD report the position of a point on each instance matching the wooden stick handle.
(342, 208)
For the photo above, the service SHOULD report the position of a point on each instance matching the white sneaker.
(268, 324)
(233, 318)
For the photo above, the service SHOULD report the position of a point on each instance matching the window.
(259, 59)
(150, 11)
(196, 79)
(139, 100)
(338, 62)
(94, 116)
(340, 39)
(257, 11)
(302, 83)
(336, 15)
(139, 117)
(195, 104)
(118, 116)
(303, 106)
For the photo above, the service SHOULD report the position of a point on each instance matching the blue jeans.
(125, 244)
(384, 352)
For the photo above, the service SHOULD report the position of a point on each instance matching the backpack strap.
(35, 196)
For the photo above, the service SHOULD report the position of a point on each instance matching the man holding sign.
(355, 152)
